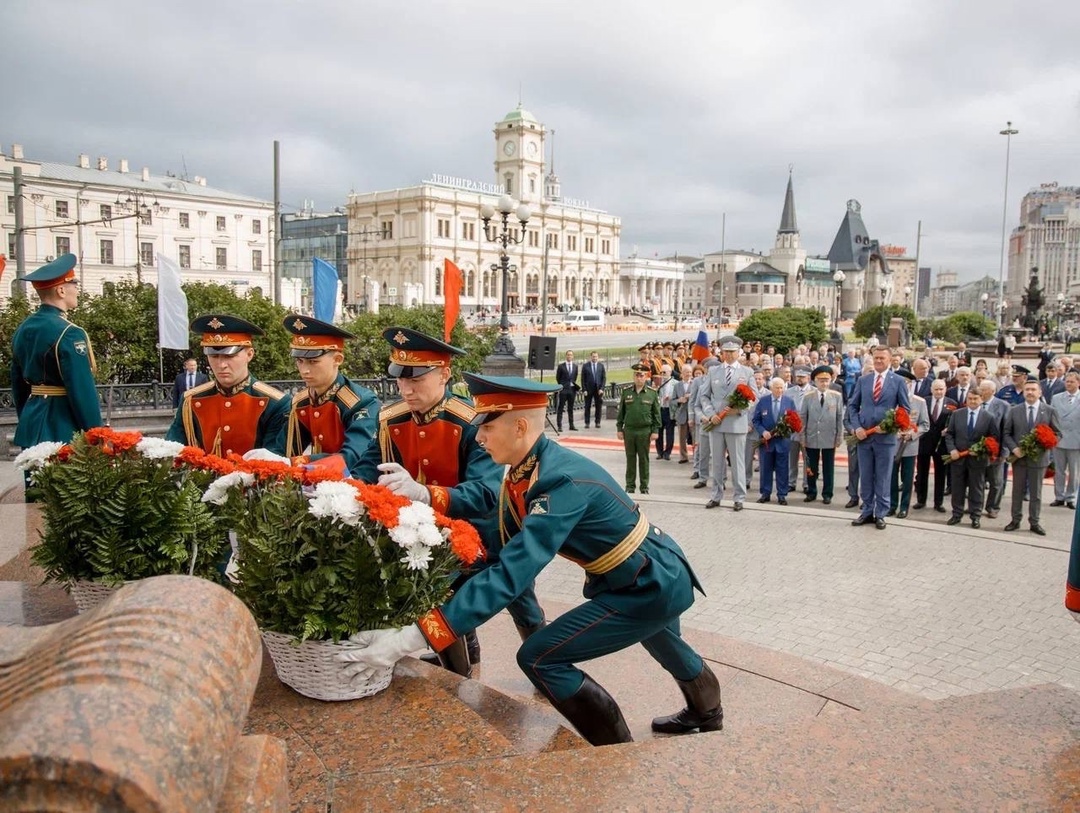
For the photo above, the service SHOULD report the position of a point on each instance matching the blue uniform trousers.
(592, 630)
(774, 463)
(875, 473)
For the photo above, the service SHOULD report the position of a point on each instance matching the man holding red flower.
(772, 418)
(875, 395)
(728, 425)
(1031, 431)
(970, 428)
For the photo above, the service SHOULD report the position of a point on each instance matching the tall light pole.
(884, 290)
(135, 205)
(1008, 132)
(503, 359)
(838, 278)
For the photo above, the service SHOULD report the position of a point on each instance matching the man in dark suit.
(773, 451)
(593, 381)
(963, 355)
(967, 426)
(959, 391)
(931, 448)
(995, 469)
(566, 376)
(923, 379)
(875, 394)
(1028, 471)
(949, 373)
(1053, 384)
(190, 377)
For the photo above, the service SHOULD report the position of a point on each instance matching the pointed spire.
(787, 219)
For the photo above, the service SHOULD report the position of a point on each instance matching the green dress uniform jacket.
(638, 411)
(440, 451)
(52, 379)
(574, 509)
(346, 431)
(249, 416)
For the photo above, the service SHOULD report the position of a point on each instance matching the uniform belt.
(46, 389)
(621, 552)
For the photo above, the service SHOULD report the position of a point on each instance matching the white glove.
(266, 454)
(395, 478)
(373, 650)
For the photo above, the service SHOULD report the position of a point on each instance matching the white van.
(584, 320)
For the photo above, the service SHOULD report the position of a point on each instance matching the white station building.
(399, 239)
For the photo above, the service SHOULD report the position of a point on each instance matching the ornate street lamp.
(884, 293)
(135, 205)
(838, 278)
(985, 298)
(503, 359)
(1008, 132)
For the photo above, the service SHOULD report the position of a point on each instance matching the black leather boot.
(456, 658)
(472, 644)
(525, 632)
(703, 710)
(595, 714)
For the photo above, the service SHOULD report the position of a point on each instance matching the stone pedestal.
(138, 705)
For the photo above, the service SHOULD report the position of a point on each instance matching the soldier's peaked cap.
(412, 353)
(54, 273)
(494, 395)
(731, 343)
(1020, 369)
(312, 338)
(224, 335)
(823, 369)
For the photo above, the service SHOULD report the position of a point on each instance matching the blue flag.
(325, 280)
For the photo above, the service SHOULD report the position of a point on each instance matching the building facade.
(116, 221)
(1048, 238)
(305, 236)
(568, 251)
(943, 295)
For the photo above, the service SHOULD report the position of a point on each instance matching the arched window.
(470, 283)
(439, 282)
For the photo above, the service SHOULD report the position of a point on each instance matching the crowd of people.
(735, 408)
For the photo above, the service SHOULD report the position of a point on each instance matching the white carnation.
(36, 456)
(218, 491)
(416, 527)
(158, 448)
(417, 557)
(336, 501)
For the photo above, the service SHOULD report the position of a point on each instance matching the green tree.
(18, 308)
(869, 321)
(366, 356)
(784, 328)
(959, 327)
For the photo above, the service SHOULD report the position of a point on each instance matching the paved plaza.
(925, 608)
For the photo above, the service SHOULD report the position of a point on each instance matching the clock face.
(532, 148)
(509, 148)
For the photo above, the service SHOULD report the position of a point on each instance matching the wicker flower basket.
(87, 594)
(312, 669)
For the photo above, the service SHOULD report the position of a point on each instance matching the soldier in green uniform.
(637, 424)
(234, 413)
(555, 502)
(52, 366)
(426, 449)
(332, 421)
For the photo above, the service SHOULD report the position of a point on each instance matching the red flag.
(3, 264)
(451, 297)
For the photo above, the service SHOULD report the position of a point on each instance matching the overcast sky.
(668, 114)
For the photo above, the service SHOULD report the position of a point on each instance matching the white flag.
(172, 306)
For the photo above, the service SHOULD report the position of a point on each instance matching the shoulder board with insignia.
(348, 397)
(461, 409)
(200, 389)
(393, 411)
(301, 398)
(263, 388)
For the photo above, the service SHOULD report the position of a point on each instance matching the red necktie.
(877, 388)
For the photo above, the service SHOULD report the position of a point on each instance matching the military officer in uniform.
(234, 413)
(728, 434)
(822, 414)
(52, 364)
(1013, 393)
(331, 423)
(637, 580)
(425, 448)
(637, 425)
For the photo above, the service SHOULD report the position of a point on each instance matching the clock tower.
(519, 156)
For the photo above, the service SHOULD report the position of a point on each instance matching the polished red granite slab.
(1013, 750)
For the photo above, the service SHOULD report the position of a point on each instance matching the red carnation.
(1045, 436)
(903, 420)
